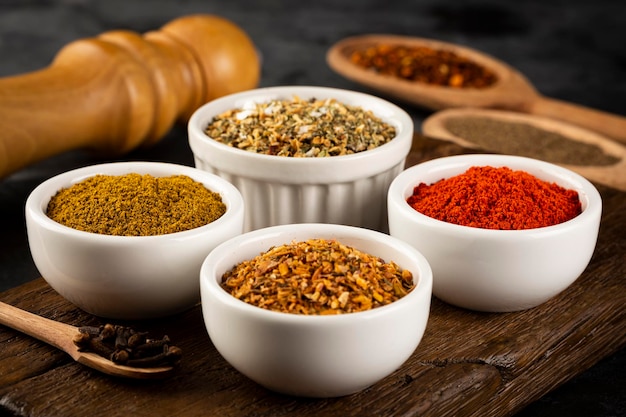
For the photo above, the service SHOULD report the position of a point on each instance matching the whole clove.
(168, 353)
(125, 346)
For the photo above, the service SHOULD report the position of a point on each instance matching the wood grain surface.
(468, 364)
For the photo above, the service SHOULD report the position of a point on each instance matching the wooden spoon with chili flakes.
(61, 336)
(510, 91)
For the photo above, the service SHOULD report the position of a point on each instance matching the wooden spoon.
(512, 91)
(612, 172)
(60, 335)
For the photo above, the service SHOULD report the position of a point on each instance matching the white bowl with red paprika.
(302, 154)
(502, 233)
(126, 240)
(316, 310)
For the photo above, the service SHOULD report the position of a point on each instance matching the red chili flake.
(425, 65)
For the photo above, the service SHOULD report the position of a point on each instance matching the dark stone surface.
(570, 50)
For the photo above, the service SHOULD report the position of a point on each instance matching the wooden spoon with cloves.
(63, 336)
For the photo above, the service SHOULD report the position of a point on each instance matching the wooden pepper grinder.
(120, 90)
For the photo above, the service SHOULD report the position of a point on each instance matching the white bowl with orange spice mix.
(126, 240)
(315, 310)
(501, 233)
(304, 153)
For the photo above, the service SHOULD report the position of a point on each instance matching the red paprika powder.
(496, 198)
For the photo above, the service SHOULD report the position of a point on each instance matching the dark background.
(571, 50)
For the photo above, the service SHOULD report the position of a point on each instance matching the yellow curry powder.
(135, 205)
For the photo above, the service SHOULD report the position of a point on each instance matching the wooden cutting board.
(469, 363)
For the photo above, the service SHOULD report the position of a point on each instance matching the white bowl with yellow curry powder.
(304, 153)
(315, 310)
(126, 240)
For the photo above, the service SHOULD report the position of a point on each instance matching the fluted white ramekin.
(349, 189)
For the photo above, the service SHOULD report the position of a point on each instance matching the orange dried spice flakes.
(425, 65)
(317, 277)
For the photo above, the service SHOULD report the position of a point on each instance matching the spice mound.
(524, 139)
(496, 198)
(317, 277)
(300, 128)
(125, 346)
(135, 205)
(425, 65)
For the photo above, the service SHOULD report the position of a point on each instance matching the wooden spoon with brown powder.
(590, 154)
(512, 91)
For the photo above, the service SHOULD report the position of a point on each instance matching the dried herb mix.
(425, 65)
(300, 128)
(496, 198)
(136, 205)
(523, 139)
(317, 277)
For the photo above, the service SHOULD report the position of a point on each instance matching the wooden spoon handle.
(611, 125)
(119, 90)
(57, 334)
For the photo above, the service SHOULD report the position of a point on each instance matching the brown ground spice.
(136, 205)
(317, 277)
(527, 140)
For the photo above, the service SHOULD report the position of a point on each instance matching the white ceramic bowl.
(348, 189)
(497, 270)
(314, 356)
(127, 277)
